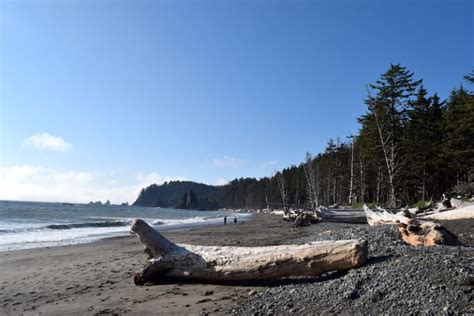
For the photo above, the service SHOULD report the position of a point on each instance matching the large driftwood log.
(379, 216)
(169, 261)
(465, 212)
(352, 216)
(424, 233)
(414, 232)
(324, 214)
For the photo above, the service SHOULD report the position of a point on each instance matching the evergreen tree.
(459, 135)
(389, 106)
(422, 147)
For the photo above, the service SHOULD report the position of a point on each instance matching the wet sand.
(97, 278)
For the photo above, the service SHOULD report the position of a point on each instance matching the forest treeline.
(411, 146)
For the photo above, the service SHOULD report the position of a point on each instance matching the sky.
(100, 98)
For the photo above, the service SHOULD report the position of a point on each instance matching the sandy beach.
(96, 278)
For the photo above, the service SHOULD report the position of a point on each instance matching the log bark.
(171, 261)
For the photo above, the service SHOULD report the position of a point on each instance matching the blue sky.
(99, 98)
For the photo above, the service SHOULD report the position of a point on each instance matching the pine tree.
(459, 135)
(393, 91)
(421, 143)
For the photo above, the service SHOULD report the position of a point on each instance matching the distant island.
(99, 203)
(180, 194)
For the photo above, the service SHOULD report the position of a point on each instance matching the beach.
(97, 278)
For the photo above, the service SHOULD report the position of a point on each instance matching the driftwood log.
(424, 233)
(324, 214)
(379, 216)
(169, 261)
(351, 216)
(413, 231)
(464, 212)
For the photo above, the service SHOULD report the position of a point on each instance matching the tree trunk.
(351, 183)
(311, 181)
(362, 180)
(170, 261)
(282, 188)
(379, 181)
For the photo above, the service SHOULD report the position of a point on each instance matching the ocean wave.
(90, 224)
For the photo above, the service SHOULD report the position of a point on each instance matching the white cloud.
(221, 181)
(37, 183)
(153, 177)
(270, 163)
(227, 162)
(47, 141)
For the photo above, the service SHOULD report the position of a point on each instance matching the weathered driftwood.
(302, 217)
(352, 216)
(379, 216)
(424, 233)
(169, 261)
(465, 212)
(414, 232)
(323, 214)
(306, 219)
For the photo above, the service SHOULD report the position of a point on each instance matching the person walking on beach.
(225, 220)
(235, 219)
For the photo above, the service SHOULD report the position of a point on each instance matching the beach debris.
(465, 212)
(305, 217)
(380, 216)
(424, 233)
(169, 261)
(342, 215)
(414, 232)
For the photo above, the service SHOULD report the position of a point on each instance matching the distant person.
(235, 219)
(225, 220)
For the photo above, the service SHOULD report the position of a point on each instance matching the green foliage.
(421, 203)
(459, 135)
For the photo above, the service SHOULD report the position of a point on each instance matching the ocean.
(25, 225)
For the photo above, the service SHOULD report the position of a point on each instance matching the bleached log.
(466, 212)
(379, 216)
(171, 261)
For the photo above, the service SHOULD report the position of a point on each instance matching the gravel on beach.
(397, 278)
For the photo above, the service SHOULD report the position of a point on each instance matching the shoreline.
(56, 233)
(97, 277)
